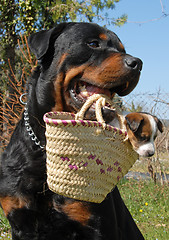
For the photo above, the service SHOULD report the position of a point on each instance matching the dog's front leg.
(24, 224)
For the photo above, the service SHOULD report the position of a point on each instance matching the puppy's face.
(142, 131)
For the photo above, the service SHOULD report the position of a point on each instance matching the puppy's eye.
(144, 138)
(94, 44)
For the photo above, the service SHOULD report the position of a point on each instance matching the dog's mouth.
(80, 91)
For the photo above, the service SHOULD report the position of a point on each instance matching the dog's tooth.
(83, 91)
(82, 88)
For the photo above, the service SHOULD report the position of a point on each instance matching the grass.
(149, 206)
(147, 202)
(4, 227)
(142, 164)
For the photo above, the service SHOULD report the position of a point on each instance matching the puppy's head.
(80, 59)
(142, 131)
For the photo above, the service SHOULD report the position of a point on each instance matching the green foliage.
(4, 227)
(118, 103)
(82, 10)
(26, 16)
(149, 205)
(135, 108)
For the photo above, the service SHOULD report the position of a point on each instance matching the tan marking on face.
(62, 59)
(77, 211)
(72, 73)
(103, 36)
(121, 46)
(61, 84)
(58, 88)
(10, 203)
(110, 70)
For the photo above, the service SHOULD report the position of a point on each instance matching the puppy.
(141, 129)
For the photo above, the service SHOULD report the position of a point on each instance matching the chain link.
(30, 130)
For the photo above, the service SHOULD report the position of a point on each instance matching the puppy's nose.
(133, 63)
(150, 153)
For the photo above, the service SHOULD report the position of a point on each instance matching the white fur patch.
(148, 148)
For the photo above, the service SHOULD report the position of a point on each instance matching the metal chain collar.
(28, 126)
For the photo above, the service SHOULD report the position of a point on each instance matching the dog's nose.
(133, 63)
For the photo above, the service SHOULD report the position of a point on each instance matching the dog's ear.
(133, 120)
(42, 42)
(159, 124)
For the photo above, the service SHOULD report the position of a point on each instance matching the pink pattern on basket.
(82, 122)
(73, 122)
(83, 164)
(73, 167)
(98, 161)
(120, 132)
(102, 171)
(110, 169)
(55, 118)
(64, 122)
(116, 163)
(89, 123)
(118, 178)
(91, 156)
(65, 159)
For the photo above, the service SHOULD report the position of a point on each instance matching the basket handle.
(100, 100)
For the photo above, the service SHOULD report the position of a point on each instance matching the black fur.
(34, 212)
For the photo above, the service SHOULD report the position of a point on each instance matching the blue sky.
(148, 41)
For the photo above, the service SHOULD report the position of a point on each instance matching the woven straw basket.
(85, 159)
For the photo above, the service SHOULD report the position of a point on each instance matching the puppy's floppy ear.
(133, 120)
(42, 42)
(159, 124)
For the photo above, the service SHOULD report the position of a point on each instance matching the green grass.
(148, 204)
(4, 227)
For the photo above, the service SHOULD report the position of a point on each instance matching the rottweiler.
(75, 60)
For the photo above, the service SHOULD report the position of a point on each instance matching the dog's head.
(142, 131)
(80, 59)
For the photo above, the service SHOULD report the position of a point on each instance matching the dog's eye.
(94, 44)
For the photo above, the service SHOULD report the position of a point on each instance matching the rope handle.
(100, 100)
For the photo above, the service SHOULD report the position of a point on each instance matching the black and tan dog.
(75, 61)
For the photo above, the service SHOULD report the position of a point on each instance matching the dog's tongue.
(88, 90)
(93, 89)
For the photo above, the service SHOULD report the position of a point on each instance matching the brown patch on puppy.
(77, 211)
(10, 203)
(159, 124)
(139, 129)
